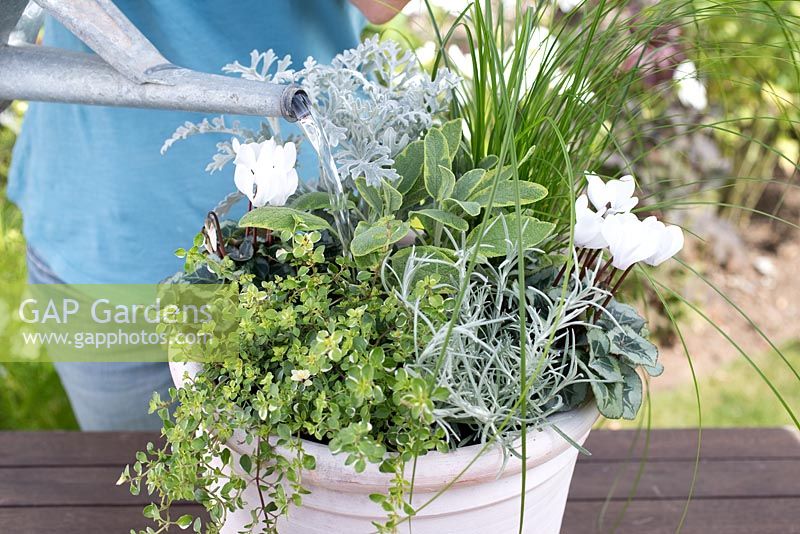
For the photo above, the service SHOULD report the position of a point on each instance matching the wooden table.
(748, 482)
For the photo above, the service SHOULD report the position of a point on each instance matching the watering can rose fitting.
(128, 71)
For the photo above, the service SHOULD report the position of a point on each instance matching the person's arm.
(380, 11)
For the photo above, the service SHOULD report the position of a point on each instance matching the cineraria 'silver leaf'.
(378, 99)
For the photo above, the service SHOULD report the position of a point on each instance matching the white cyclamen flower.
(265, 171)
(568, 5)
(426, 53)
(668, 240)
(588, 225)
(614, 196)
(461, 61)
(451, 6)
(629, 239)
(691, 91)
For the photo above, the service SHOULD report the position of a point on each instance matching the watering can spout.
(127, 71)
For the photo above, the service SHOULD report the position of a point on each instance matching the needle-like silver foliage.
(480, 367)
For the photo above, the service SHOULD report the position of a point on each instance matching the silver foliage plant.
(372, 101)
(480, 367)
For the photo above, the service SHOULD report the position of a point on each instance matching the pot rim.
(435, 470)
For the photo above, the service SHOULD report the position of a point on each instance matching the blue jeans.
(107, 395)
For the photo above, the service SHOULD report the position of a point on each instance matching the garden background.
(749, 256)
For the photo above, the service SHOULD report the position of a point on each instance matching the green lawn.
(31, 396)
(734, 396)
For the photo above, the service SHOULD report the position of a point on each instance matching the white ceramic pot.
(485, 499)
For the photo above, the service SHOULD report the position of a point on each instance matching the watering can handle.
(108, 32)
(127, 70)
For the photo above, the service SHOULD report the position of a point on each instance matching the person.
(101, 205)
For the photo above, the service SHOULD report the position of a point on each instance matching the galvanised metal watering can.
(127, 71)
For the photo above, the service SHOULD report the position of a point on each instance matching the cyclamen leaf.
(631, 392)
(444, 217)
(609, 398)
(607, 366)
(624, 314)
(636, 349)
(503, 231)
(599, 344)
(654, 370)
(281, 218)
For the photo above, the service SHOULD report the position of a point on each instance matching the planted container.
(484, 498)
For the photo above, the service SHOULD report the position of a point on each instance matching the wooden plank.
(748, 482)
(71, 448)
(85, 520)
(729, 516)
(681, 444)
(64, 486)
(83, 486)
(734, 516)
(118, 448)
(671, 479)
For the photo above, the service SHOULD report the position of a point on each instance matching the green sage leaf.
(281, 218)
(452, 133)
(452, 205)
(377, 237)
(506, 194)
(408, 164)
(370, 194)
(467, 184)
(444, 217)
(315, 200)
(438, 184)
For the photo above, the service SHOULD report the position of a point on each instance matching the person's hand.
(380, 11)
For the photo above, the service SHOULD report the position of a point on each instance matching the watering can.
(127, 71)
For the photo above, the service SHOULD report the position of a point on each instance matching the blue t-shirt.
(99, 201)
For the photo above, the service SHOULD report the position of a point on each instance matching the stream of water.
(329, 174)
